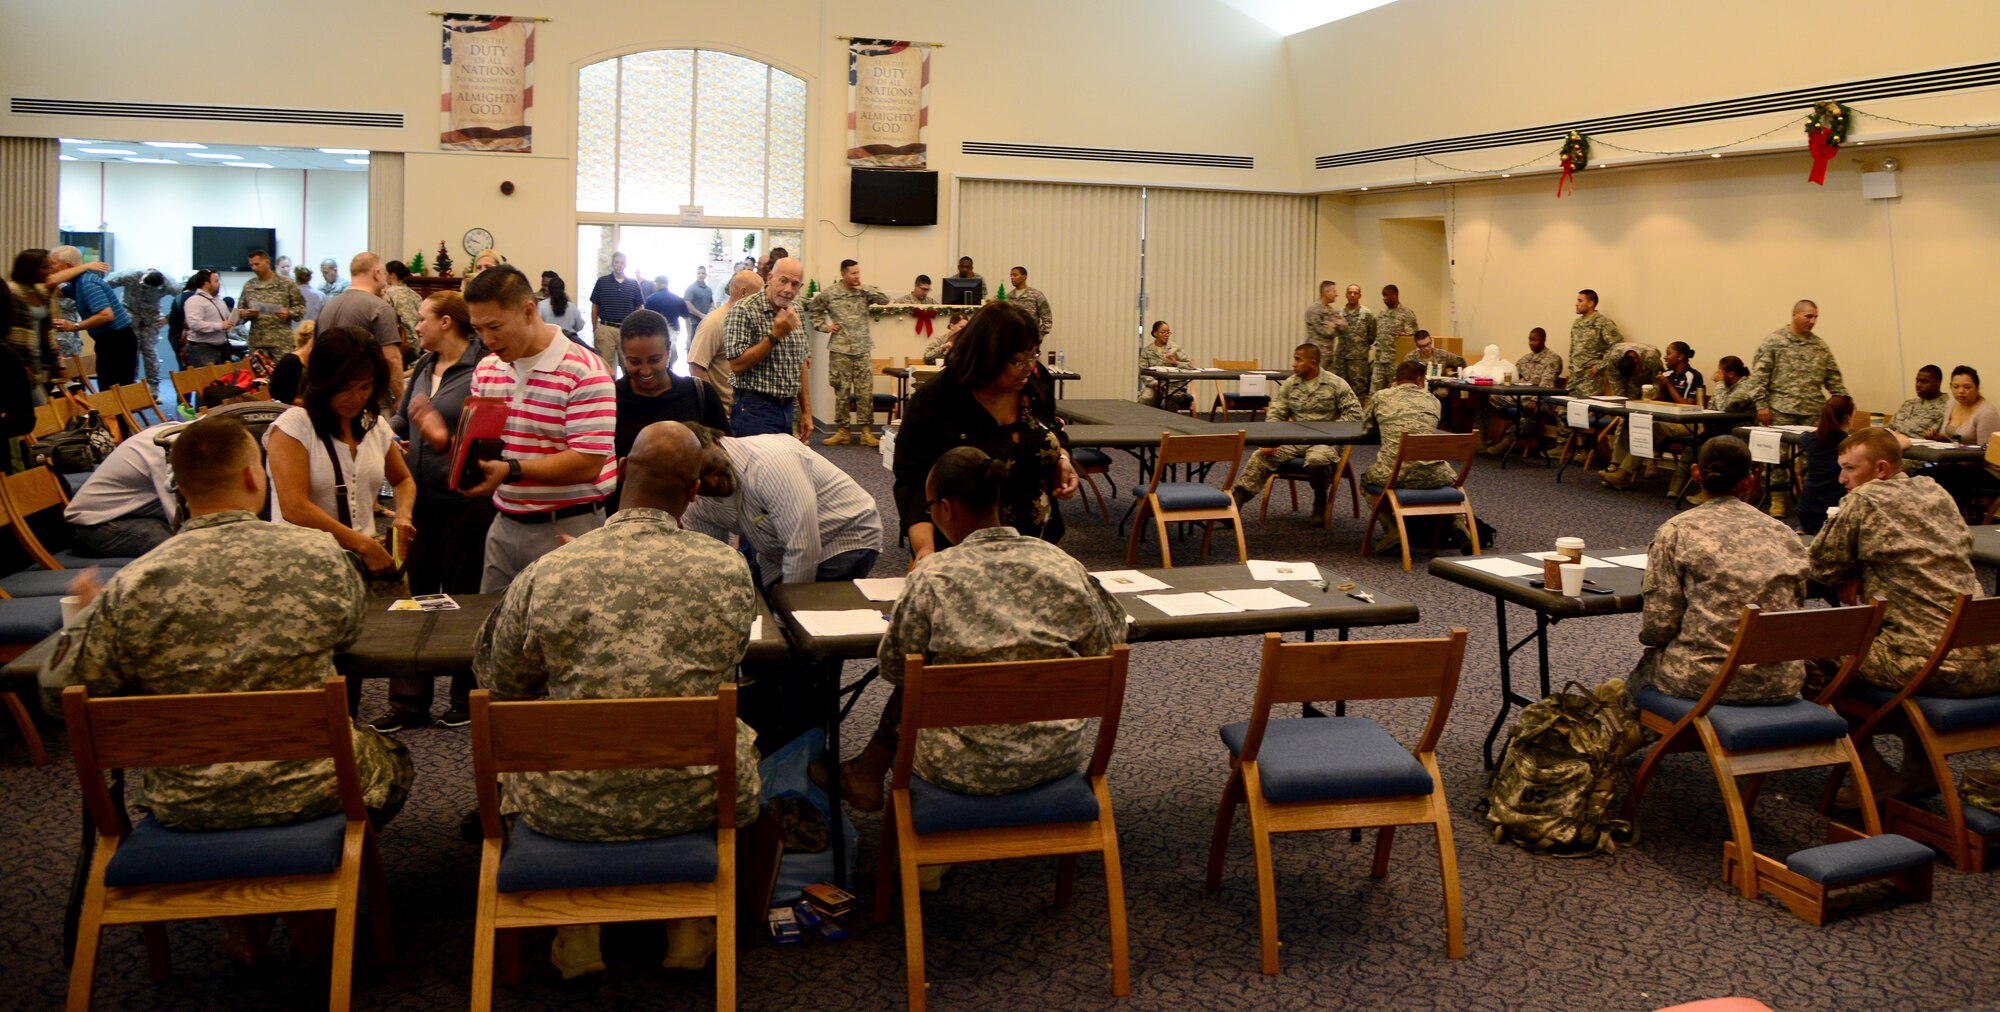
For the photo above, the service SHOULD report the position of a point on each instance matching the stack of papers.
(1268, 571)
(884, 589)
(1629, 561)
(1935, 444)
(1258, 599)
(851, 622)
(426, 602)
(1128, 581)
(1499, 566)
(1190, 604)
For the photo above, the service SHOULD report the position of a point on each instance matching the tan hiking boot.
(868, 438)
(839, 438)
(1781, 505)
(1616, 478)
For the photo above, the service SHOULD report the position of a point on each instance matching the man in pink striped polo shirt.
(558, 462)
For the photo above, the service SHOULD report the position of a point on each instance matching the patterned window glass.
(593, 260)
(729, 164)
(787, 161)
(656, 120)
(793, 240)
(597, 136)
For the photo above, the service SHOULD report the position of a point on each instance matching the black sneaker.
(457, 716)
(396, 720)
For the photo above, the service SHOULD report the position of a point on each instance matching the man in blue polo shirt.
(612, 299)
(101, 313)
(664, 302)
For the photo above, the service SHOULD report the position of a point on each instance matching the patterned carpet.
(1651, 926)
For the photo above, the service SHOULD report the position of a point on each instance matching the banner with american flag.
(488, 102)
(888, 103)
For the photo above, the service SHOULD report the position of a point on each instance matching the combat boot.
(1617, 478)
(1503, 447)
(1781, 505)
(1319, 476)
(868, 437)
(861, 777)
(1240, 494)
(839, 438)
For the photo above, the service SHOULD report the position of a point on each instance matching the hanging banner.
(488, 102)
(888, 103)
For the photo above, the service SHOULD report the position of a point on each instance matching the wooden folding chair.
(879, 402)
(1591, 443)
(1756, 740)
(49, 419)
(1089, 461)
(1294, 471)
(80, 369)
(1230, 400)
(527, 879)
(147, 874)
(111, 407)
(138, 401)
(188, 382)
(1450, 500)
(1945, 727)
(23, 623)
(25, 494)
(1190, 501)
(929, 825)
(1319, 773)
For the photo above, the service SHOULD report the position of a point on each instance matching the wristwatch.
(513, 470)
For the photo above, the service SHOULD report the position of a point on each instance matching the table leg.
(1508, 697)
(830, 675)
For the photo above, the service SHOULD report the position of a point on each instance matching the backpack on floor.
(1555, 786)
(79, 447)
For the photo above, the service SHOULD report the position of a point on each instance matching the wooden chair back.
(602, 734)
(1358, 670)
(1178, 449)
(1805, 634)
(1246, 364)
(34, 490)
(1993, 450)
(1459, 449)
(1975, 622)
(208, 727)
(188, 382)
(47, 421)
(111, 407)
(1011, 692)
(137, 399)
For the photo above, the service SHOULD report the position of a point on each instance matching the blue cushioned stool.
(1943, 713)
(38, 583)
(1188, 495)
(29, 619)
(1801, 883)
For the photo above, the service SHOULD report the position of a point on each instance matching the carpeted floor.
(1651, 926)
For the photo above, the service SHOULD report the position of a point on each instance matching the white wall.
(152, 209)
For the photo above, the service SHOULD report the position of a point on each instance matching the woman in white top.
(336, 412)
(560, 309)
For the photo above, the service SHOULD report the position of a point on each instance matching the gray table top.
(1115, 437)
(1157, 372)
(1623, 582)
(1505, 389)
(1106, 411)
(1921, 454)
(1986, 544)
(1663, 412)
(905, 371)
(1325, 609)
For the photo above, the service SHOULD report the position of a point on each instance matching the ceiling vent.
(20, 106)
(1188, 158)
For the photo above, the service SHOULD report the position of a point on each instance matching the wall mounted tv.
(884, 197)
(228, 249)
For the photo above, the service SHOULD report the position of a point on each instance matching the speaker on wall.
(890, 197)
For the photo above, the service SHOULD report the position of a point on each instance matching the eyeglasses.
(1025, 364)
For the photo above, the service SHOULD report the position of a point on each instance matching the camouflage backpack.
(1982, 788)
(1555, 786)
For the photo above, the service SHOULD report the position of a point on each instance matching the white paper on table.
(1252, 384)
(1934, 444)
(1639, 435)
(1129, 581)
(1499, 566)
(1268, 571)
(886, 588)
(756, 628)
(1629, 561)
(1579, 413)
(848, 622)
(1766, 444)
(1794, 428)
(1588, 562)
(1258, 599)
(1190, 604)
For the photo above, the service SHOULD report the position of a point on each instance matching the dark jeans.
(199, 355)
(448, 557)
(117, 357)
(124, 538)
(753, 414)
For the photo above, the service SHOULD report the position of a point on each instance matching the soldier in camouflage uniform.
(270, 333)
(935, 348)
(1404, 407)
(595, 620)
(143, 292)
(1703, 566)
(842, 312)
(1923, 416)
(1790, 379)
(1624, 369)
(230, 604)
(1162, 353)
(1590, 337)
(1310, 394)
(1031, 299)
(1540, 367)
(1394, 321)
(1428, 354)
(996, 595)
(1729, 391)
(1357, 339)
(1324, 324)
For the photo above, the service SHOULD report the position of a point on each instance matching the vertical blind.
(28, 176)
(1230, 272)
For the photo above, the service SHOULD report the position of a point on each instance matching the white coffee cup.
(1572, 579)
(72, 606)
(1570, 548)
(1646, 392)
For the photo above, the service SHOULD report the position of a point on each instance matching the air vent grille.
(20, 106)
(1108, 155)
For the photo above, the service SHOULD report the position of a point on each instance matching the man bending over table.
(1309, 394)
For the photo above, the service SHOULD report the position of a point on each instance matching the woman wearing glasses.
(978, 401)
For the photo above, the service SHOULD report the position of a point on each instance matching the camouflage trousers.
(1781, 472)
(148, 333)
(1384, 374)
(1351, 364)
(1259, 469)
(853, 387)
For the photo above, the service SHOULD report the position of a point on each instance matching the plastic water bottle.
(889, 445)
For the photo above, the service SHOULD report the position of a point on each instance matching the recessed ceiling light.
(248, 165)
(218, 156)
(74, 140)
(185, 145)
(1427, 182)
(66, 158)
(1506, 175)
(153, 161)
(355, 161)
(107, 151)
(1600, 165)
(1364, 189)
(343, 151)
(1717, 154)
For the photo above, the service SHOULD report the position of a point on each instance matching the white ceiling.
(1290, 17)
(81, 149)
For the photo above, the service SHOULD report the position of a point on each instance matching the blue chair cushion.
(38, 583)
(1296, 466)
(1977, 819)
(29, 619)
(156, 855)
(1247, 400)
(534, 861)
(1739, 728)
(1943, 714)
(1329, 759)
(1422, 496)
(1853, 860)
(1189, 495)
(69, 559)
(884, 402)
(74, 482)
(936, 810)
(1089, 456)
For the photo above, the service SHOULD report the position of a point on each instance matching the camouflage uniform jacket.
(1904, 538)
(1918, 418)
(1323, 329)
(1589, 338)
(1789, 371)
(1702, 568)
(1444, 359)
(269, 332)
(999, 596)
(1358, 333)
(142, 301)
(1724, 396)
(1389, 325)
(1324, 398)
(1396, 411)
(1608, 378)
(1035, 304)
(635, 609)
(1154, 356)
(231, 604)
(406, 302)
(1539, 368)
(849, 308)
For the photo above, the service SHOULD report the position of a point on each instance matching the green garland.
(908, 310)
(1575, 153)
(1829, 116)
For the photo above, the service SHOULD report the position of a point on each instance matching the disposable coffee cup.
(1831, 512)
(1646, 392)
(1552, 573)
(1572, 579)
(72, 606)
(1570, 548)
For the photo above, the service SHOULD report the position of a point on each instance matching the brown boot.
(868, 437)
(861, 777)
(1319, 476)
(838, 438)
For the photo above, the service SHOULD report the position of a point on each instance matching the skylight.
(1290, 17)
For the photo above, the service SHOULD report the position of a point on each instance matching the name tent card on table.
(1639, 434)
(1765, 445)
(1252, 384)
(1578, 413)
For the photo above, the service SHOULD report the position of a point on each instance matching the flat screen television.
(228, 249)
(962, 291)
(884, 197)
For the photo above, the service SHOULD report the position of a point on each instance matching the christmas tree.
(716, 252)
(443, 261)
(417, 264)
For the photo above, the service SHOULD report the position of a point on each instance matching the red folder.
(480, 425)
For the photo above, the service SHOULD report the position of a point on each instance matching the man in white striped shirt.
(557, 464)
(808, 520)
